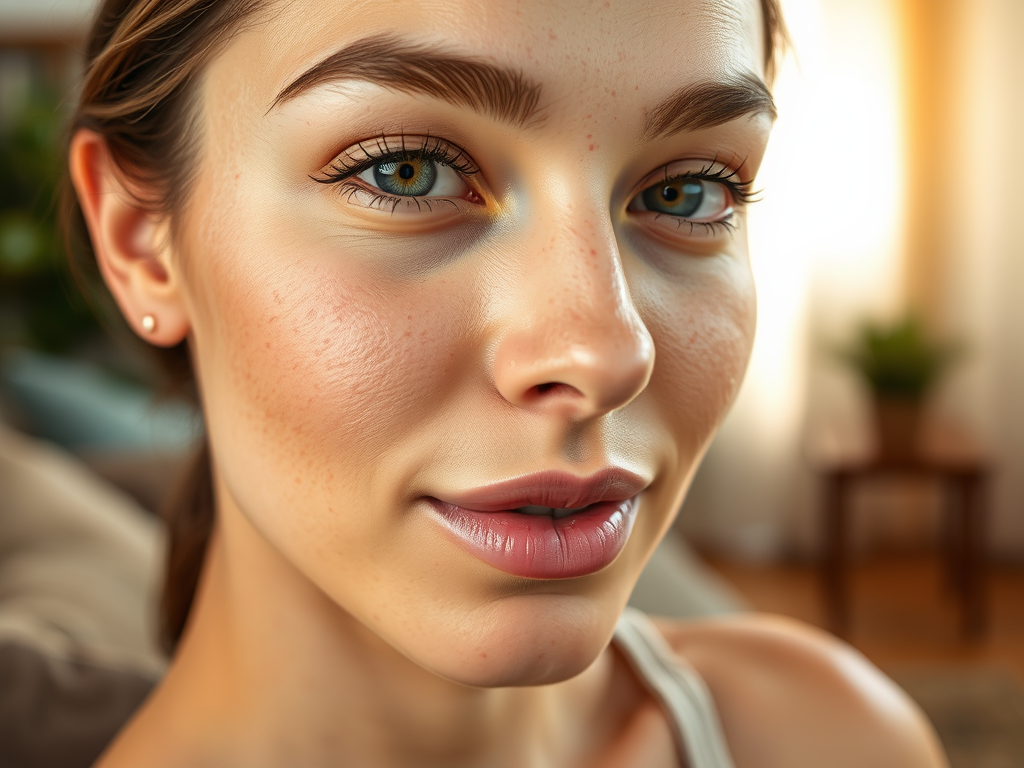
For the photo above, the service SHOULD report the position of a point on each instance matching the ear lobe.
(132, 245)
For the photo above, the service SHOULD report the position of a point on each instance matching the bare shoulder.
(791, 695)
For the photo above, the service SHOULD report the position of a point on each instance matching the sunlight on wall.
(827, 237)
(826, 242)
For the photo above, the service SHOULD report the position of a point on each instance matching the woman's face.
(485, 267)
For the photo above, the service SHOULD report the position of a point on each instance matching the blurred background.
(888, 250)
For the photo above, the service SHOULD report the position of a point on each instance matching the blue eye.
(413, 175)
(686, 198)
(409, 176)
(677, 198)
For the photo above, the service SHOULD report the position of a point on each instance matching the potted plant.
(900, 365)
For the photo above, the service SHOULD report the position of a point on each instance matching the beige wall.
(910, 113)
(981, 236)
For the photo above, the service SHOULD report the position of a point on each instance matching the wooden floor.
(901, 616)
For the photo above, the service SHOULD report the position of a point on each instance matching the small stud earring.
(148, 323)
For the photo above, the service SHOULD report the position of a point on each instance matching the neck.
(271, 671)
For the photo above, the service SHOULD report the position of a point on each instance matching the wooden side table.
(946, 456)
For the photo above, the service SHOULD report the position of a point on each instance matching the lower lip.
(540, 546)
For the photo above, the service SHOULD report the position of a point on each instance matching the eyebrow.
(407, 67)
(707, 104)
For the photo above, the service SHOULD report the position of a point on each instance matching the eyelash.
(348, 165)
(742, 193)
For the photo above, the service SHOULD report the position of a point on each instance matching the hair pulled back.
(144, 59)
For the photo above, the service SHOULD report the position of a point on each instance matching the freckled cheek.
(320, 371)
(703, 337)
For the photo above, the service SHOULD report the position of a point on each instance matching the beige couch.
(78, 564)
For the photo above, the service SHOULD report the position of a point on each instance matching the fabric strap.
(680, 690)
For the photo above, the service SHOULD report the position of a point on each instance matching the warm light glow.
(825, 244)
(826, 239)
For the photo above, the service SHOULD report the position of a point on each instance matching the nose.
(573, 341)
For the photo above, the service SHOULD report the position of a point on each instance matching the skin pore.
(362, 353)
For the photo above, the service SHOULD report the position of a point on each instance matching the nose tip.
(591, 365)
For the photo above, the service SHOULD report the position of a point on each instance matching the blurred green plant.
(898, 360)
(40, 306)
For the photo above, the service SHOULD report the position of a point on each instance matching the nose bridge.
(575, 341)
(581, 291)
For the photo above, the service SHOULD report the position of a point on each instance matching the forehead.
(583, 48)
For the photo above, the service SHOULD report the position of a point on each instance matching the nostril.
(552, 387)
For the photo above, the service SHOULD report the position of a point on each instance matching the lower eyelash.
(380, 201)
(710, 227)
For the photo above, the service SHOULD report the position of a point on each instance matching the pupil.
(405, 178)
(682, 197)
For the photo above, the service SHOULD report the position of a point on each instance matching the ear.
(132, 245)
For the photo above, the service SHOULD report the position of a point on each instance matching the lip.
(483, 523)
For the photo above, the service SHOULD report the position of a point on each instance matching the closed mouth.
(549, 525)
(556, 512)
(552, 493)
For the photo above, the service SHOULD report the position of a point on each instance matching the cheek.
(703, 335)
(311, 372)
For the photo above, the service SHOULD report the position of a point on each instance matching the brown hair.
(143, 60)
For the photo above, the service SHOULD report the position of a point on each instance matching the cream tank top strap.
(680, 690)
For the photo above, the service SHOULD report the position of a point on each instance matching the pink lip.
(484, 524)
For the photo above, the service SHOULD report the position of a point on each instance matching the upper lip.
(559, 490)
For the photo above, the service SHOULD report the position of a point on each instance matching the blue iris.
(410, 176)
(676, 198)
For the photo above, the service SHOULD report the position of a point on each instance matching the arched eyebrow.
(408, 67)
(709, 103)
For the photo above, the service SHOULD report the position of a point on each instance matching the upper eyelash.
(742, 191)
(366, 154)
(349, 164)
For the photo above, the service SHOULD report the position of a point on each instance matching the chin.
(526, 640)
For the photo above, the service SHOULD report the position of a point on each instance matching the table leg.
(952, 535)
(972, 557)
(833, 554)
